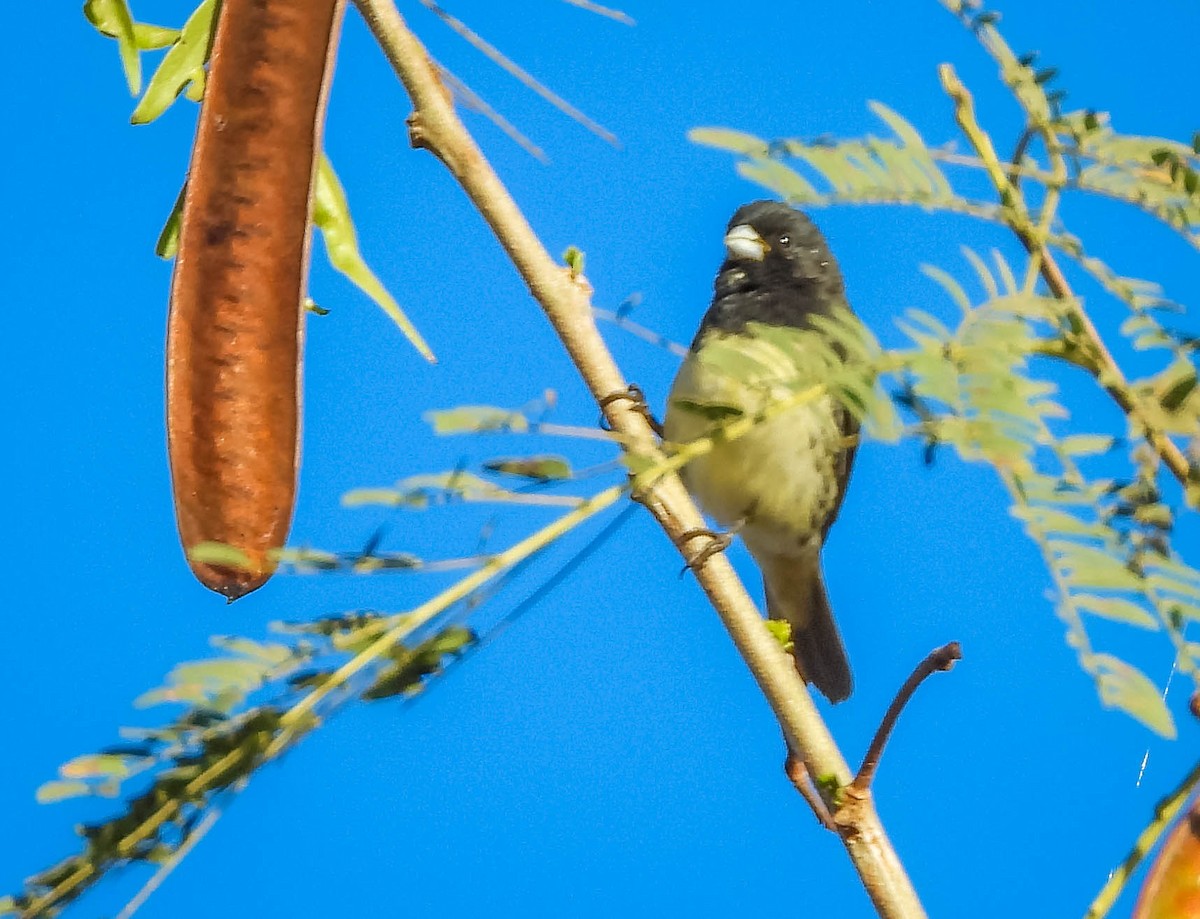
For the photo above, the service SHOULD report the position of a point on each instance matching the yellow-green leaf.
(216, 553)
(462, 486)
(1086, 444)
(913, 144)
(728, 139)
(193, 694)
(168, 240)
(179, 66)
(49, 792)
(780, 179)
(270, 652)
(538, 468)
(220, 673)
(151, 37)
(94, 766)
(573, 257)
(1125, 687)
(331, 214)
(112, 18)
(1117, 609)
(781, 631)
(476, 419)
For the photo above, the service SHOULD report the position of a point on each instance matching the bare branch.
(942, 658)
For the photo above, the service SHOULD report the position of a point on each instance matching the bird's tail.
(796, 594)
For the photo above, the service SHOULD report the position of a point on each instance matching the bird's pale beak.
(744, 244)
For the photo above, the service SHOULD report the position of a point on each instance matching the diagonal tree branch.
(565, 299)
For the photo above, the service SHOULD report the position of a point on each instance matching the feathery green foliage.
(236, 716)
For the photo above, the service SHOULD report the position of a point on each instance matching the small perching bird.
(781, 484)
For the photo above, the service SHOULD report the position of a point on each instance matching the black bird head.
(773, 243)
(778, 269)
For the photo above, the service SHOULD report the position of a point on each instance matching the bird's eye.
(784, 240)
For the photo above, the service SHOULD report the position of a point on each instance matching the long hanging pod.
(236, 323)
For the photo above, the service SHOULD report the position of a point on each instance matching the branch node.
(636, 398)
(798, 775)
(717, 543)
(417, 137)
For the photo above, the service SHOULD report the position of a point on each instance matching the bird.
(779, 486)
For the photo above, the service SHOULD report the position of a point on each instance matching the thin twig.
(942, 658)
(1018, 157)
(165, 869)
(476, 103)
(604, 11)
(640, 331)
(505, 63)
(565, 299)
(797, 774)
(571, 430)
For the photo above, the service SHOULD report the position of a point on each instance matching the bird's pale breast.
(780, 480)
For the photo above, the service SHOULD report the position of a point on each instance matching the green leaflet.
(167, 245)
(60, 790)
(543, 468)
(868, 169)
(780, 179)
(97, 765)
(331, 214)
(421, 491)
(181, 67)
(215, 553)
(730, 140)
(1086, 444)
(1123, 686)
(1118, 610)
(476, 419)
(113, 18)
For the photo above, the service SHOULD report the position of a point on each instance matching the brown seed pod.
(235, 328)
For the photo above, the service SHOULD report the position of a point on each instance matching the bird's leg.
(801, 779)
(633, 393)
(717, 542)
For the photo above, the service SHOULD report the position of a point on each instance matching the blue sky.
(608, 753)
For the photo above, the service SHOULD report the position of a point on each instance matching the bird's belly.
(779, 480)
